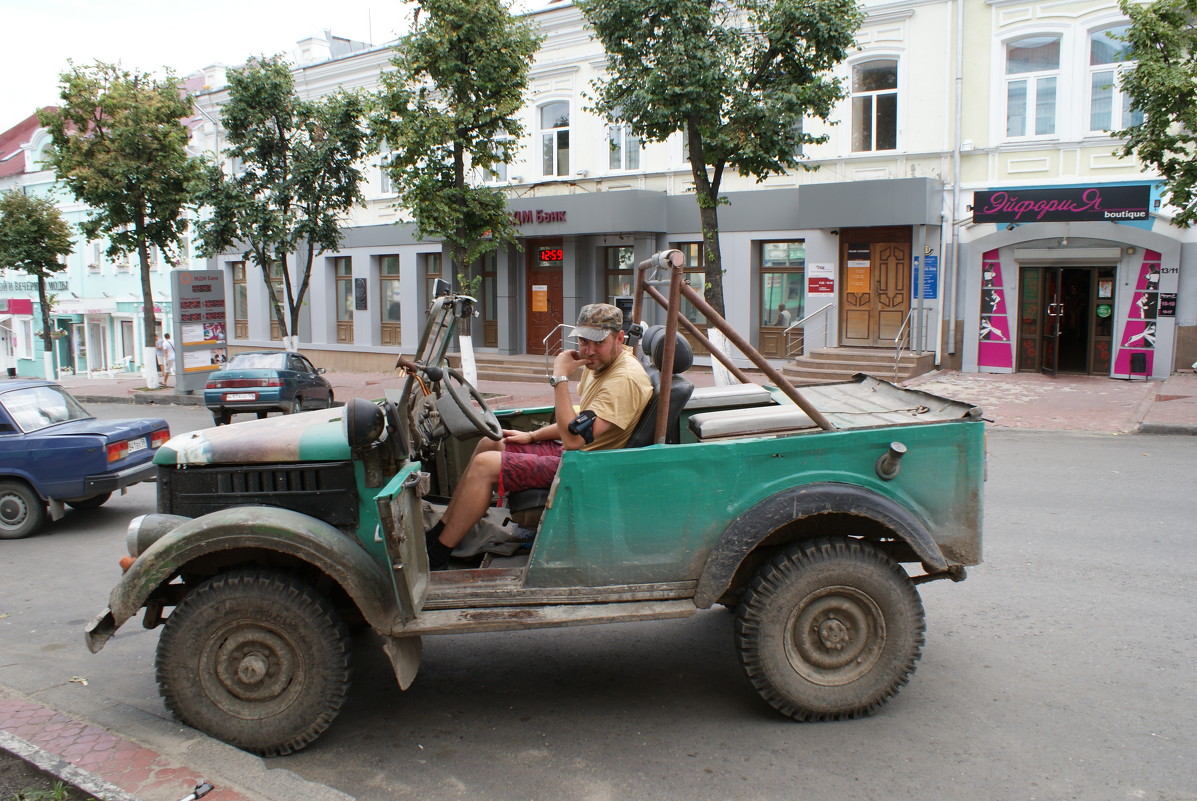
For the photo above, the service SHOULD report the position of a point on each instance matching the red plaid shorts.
(528, 466)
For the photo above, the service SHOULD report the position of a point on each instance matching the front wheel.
(829, 630)
(257, 659)
(22, 512)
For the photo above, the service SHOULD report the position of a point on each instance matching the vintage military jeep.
(274, 538)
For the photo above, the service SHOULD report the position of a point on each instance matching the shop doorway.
(543, 295)
(1066, 320)
(875, 295)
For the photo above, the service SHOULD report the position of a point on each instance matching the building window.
(624, 152)
(275, 271)
(1109, 108)
(554, 138)
(433, 272)
(24, 338)
(1032, 77)
(783, 273)
(875, 106)
(499, 171)
(384, 165)
(388, 285)
(240, 301)
(343, 271)
(621, 271)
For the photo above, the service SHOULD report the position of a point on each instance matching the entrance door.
(1065, 319)
(543, 297)
(1052, 312)
(876, 286)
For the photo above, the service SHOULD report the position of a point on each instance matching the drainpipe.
(954, 273)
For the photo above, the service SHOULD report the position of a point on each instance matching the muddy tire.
(257, 659)
(22, 512)
(829, 630)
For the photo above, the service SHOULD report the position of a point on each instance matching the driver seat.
(527, 506)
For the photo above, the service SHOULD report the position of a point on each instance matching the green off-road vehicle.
(813, 515)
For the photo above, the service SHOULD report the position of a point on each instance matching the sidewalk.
(125, 768)
(1010, 400)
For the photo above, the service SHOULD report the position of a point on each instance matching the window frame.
(1119, 102)
(1032, 79)
(555, 132)
(622, 143)
(872, 95)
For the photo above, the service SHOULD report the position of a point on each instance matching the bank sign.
(1071, 204)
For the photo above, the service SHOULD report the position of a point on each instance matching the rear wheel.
(221, 417)
(94, 502)
(257, 659)
(829, 630)
(296, 405)
(22, 512)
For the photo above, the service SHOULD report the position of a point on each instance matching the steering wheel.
(462, 392)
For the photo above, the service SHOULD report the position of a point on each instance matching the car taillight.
(117, 451)
(159, 437)
(244, 383)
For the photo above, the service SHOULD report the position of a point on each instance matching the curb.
(1184, 429)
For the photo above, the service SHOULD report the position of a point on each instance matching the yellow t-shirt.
(617, 395)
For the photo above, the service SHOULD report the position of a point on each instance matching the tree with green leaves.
(297, 175)
(35, 239)
(120, 146)
(1162, 84)
(736, 77)
(451, 106)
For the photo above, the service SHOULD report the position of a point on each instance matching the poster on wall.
(540, 297)
(856, 277)
(995, 350)
(1136, 345)
(820, 279)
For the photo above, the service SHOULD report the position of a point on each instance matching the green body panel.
(654, 514)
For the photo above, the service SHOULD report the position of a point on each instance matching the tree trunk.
(47, 332)
(149, 365)
(706, 193)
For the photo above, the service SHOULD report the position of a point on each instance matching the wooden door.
(875, 287)
(543, 295)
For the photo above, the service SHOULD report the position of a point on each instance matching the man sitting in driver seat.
(614, 391)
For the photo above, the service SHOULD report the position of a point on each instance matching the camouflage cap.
(596, 321)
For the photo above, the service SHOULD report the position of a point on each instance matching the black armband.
(583, 426)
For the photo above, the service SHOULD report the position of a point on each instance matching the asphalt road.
(1060, 669)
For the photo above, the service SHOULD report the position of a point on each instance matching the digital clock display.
(551, 254)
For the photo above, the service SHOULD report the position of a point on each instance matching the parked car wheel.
(296, 405)
(221, 417)
(94, 502)
(22, 512)
(829, 629)
(257, 659)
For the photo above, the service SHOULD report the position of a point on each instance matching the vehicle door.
(401, 531)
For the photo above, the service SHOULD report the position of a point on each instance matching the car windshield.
(257, 361)
(35, 408)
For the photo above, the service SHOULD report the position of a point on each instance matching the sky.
(150, 35)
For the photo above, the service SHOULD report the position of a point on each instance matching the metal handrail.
(548, 355)
(901, 341)
(791, 349)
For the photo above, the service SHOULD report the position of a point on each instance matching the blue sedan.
(54, 454)
(266, 381)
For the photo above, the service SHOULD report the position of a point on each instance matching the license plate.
(138, 444)
(241, 396)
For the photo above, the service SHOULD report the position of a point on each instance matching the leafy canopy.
(296, 176)
(737, 77)
(1162, 84)
(451, 105)
(34, 238)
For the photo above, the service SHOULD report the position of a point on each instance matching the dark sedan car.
(266, 381)
(53, 453)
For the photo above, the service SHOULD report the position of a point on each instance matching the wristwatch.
(554, 380)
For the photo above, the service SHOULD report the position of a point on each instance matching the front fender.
(749, 529)
(256, 528)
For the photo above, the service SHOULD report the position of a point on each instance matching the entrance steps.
(823, 365)
(522, 367)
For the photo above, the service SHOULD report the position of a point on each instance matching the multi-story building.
(969, 199)
(96, 301)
